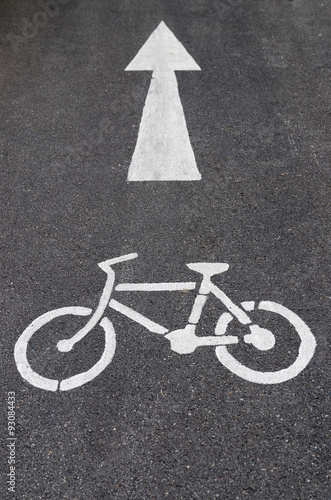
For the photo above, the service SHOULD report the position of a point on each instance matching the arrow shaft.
(163, 150)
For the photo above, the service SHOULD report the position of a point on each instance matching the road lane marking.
(163, 151)
(183, 340)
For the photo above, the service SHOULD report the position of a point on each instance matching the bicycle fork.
(67, 344)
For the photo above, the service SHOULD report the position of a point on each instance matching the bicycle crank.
(185, 341)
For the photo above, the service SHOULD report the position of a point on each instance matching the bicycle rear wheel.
(305, 353)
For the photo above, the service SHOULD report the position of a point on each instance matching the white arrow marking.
(163, 151)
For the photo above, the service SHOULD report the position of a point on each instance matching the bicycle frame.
(182, 341)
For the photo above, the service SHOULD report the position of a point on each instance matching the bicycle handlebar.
(123, 258)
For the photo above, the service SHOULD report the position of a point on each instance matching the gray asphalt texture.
(156, 424)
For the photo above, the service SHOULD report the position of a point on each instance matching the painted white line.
(248, 305)
(154, 287)
(306, 351)
(235, 310)
(107, 356)
(223, 323)
(21, 346)
(67, 344)
(163, 151)
(197, 308)
(185, 341)
(110, 262)
(139, 318)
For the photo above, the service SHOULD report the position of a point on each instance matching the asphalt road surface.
(91, 158)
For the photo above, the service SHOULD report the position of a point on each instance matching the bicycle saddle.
(208, 269)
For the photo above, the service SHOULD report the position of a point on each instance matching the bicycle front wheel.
(48, 384)
(305, 353)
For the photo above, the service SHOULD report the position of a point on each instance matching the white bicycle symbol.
(183, 341)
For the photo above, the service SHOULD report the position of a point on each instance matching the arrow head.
(163, 52)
